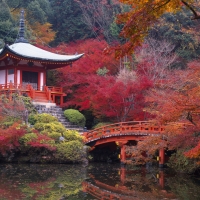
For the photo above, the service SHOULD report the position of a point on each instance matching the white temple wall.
(2, 76)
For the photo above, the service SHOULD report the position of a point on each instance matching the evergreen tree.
(181, 31)
(67, 21)
(8, 32)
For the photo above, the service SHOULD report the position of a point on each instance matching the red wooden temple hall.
(23, 68)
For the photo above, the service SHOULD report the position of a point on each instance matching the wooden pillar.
(53, 98)
(123, 150)
(161, 179)
(122, 175)
(161, 157)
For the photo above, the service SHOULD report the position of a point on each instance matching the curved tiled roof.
(29, 51)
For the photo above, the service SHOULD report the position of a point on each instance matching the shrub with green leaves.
(8, 121)
(70, 151)
(75, 117)
(27, 138)
(42, 118)
(71, 135)
(180, 163)
(31, 119)
(101, 124)
(50, 127)
(54, 135)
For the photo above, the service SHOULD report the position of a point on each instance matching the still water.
(95, 181)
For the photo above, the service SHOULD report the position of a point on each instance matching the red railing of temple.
(11, 86)
(124, 128)
(48, 93)
(55, 89)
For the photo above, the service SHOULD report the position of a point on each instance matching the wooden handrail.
(128, 128)
(121, 128)
(48, 92)
(12, 86)
(32, 91)
(55, 89)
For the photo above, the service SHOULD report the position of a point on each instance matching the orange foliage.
(146, 149)
(43, 32)
(142, 15)
(178, 101)
(194, 153)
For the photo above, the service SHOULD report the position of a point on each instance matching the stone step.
(58, 113)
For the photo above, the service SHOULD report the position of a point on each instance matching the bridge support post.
(122, 175)
(123, 152)
(161, 157)
(161, 179)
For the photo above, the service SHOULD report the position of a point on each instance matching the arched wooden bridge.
(123, 132)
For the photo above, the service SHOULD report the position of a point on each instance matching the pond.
(95, 181)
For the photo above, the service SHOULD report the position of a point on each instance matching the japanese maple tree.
(175, 102)
(142, 15)
(9, 138)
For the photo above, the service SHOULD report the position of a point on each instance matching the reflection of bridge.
(104, 191)
(106, 194)
(123, 132)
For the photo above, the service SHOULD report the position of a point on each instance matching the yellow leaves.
(43, 32)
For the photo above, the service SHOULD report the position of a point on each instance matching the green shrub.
(70, 151)
(50, 127)
(27, 138)
(44, 118)
(101, 124)
(31, 119)
(54, 135)
(8, 121)
(28, 104)
(75, 117)
(71, 135)
(180, 163)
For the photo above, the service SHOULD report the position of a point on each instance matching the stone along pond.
(95, 181)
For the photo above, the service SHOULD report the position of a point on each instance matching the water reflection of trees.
(184, 186)
(144, 183)
(60, 182)
(40, 181)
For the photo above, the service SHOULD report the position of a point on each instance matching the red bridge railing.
(124, 128)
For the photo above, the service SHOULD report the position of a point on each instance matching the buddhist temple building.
(23, 68)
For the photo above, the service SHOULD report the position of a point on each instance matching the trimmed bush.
(75, 117)
(27, 138)
(42, 118)
(70, 151)
(31, 119)
(50, 127)
(71, 135)
(54, 135)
